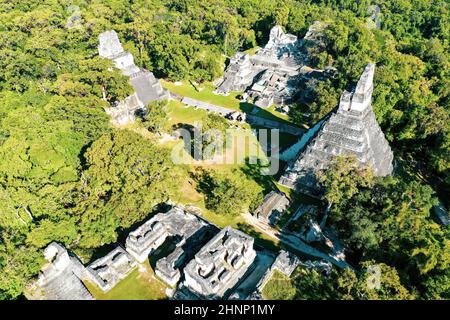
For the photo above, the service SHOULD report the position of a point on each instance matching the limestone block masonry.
(147, 87)
(351, 130)
(219, 265)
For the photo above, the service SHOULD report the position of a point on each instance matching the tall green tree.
(126, 176)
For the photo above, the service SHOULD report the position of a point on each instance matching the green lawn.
(137, 286)
(279, 287)
(180, 113)
(204, 92)
(243, 143)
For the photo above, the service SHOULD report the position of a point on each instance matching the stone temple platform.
(107, 271)
(351, 130)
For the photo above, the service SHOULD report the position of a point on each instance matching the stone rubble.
(274, 205)
(285, 263)
(60, 278)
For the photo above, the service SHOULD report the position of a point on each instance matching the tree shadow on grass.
(264, 243)
(253, 171)
(262, 113)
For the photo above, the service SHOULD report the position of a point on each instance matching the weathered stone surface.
(285, 263)
(238, 75)
(60, 277)
(266, 75)
(152, 234)
(107, 271)
(147, 87)
(273, 206)
(167, 267)
(109, 44)
(190, 231)
(125, 110)
(220, 264)
(352, 129)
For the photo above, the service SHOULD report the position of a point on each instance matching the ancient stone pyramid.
(147, 88)
(352, 129)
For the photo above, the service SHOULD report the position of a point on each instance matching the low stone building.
(219, 265)
(441, 214)
(107, 271)
(147, 87)
(170, 268)
(60, 277)
(152, 234)
(274, 205)
(238, 75)
(286, 263)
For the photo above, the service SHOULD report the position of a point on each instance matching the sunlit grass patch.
(138, 285)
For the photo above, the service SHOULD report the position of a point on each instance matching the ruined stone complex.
(205, 263)
(186, 230)
(107, 271)
(285, 263)
(147, 87)
(219, 265)
(351, 130)
(209, 268)
(269, 75)
(62, 277)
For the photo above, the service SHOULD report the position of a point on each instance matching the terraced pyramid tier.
(352, 129)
